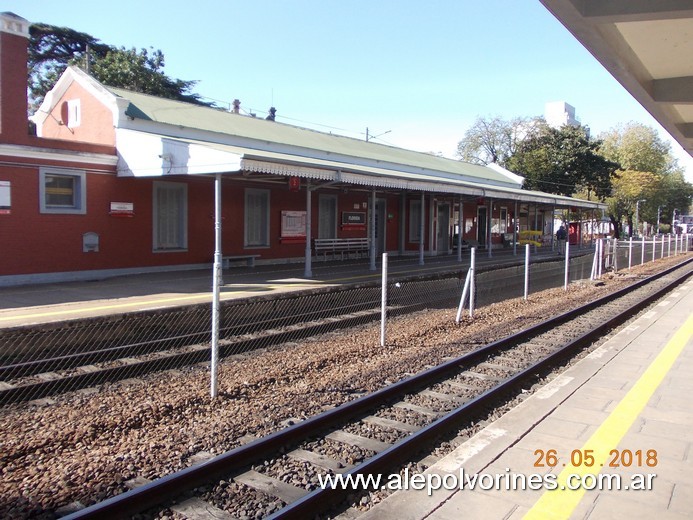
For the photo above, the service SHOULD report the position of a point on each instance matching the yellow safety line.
(561, 502)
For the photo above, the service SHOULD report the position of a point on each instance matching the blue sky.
(418, 73)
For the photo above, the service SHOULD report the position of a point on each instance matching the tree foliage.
(52, 49)
(637, 147)
(563, 161)
(659, 182)
(494, 140)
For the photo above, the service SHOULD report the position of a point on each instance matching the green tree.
(628, 188)
(52, 49)
(563, 161)
(639, 148)
(494, 140)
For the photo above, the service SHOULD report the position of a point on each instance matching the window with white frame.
(257, 208)
(170, 216)
(414, 220)
(62, 191)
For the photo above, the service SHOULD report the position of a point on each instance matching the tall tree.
(494, 140)
(52, 49)
(563, 161)
(637, 147)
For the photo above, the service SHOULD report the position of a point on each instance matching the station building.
(119, 182)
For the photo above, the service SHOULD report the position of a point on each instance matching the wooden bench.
(341, 246)
(249, 259)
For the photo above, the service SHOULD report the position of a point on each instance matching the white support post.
(600, 258)
(593, 273)
(308, 267)
(465, 293)
(526, 270)
(676, 244)
(516, 221)
(662, 252)
(216, 282)
(567, 264)
(654, 247)
(422, 230)
(472, 282)
(630, 253)
(460, 230)
(374, 243)
(669, 250)
(642, 253)
(383, 303)
(615, 261)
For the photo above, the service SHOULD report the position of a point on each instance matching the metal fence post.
(630, 253)
(642, 252)
(216, 282)
(465, 292)
(567, 263)
(526, 270)
(654, 247)
(669, 248)
(383, 310)
(472, 282)
(615, 261)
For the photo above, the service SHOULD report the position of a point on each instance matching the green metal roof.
(270, 135)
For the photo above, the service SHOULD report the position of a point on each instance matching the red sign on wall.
(294, 183)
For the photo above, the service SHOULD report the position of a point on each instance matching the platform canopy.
(647, 45)
(143, 154)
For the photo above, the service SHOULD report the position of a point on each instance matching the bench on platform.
(249, 259)
(334, 246)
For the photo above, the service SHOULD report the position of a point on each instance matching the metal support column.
(374, 244)
(308, 271)
(460, 230)
(422, 229)
(216, 282)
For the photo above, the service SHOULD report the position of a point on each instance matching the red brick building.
(119, 182)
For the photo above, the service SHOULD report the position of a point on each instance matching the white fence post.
(642, 252)
(472, 282)
(669, 251)
(654, 247)
(216, 282)
(630, 253)
(615, 260)
(526, 270)
(600, 259)
(465, 292)
(662, 253)
(567, 263)
(383, 303)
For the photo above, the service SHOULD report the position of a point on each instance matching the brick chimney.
(14, 43)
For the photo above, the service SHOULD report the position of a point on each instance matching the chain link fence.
(40, 361)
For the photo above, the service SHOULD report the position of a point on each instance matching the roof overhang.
(143, 154)
(647, 45)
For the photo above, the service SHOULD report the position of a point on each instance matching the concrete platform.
(54, 302)
(632, 395)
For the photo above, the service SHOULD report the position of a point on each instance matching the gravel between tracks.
(82, 447)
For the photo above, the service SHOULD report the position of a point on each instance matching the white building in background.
(559, 113)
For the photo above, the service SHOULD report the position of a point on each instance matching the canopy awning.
(142, 154)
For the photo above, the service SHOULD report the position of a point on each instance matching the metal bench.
(249, 259)
(334, 246)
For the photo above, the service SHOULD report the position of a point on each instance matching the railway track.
(384, 428)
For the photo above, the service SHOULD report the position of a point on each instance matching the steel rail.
(163, 489)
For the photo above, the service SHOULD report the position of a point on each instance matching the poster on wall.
(5, 201)
(293, 225)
